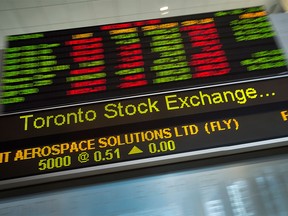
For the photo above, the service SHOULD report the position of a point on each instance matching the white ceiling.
(27, 16)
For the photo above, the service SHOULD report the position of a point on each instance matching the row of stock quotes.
(91, 63)
(34, 157)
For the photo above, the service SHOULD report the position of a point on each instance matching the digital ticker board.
(155, 107)
(193, 136)
(138, 92)
(93, 63)
(147, 129)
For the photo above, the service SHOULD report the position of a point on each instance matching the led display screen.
(94, 63)
(119, 113)
(34, 157)
(111, 94)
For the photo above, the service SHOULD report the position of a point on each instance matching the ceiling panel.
(79, 11)
(2, 36)
(127, 7)
(108, 20)
(85, 23)
(5, 5)
(14, 31)
(150, 5)
(172, 5)
(58, 26)
(72, 1)
(24, 3)
(8, 20)
(104, 8)
(19, 16)
(39, 28)
(127, 18)
(56, 14)
(193, 3)
(52, 2)
(31, 17)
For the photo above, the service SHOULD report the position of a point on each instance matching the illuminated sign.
(94, 63)
(191, 135)
(144, 109)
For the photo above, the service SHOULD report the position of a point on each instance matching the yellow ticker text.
(186, 130)
(85, 35)
(284, 115)
(121, 31)
(221, 125)
(197, 22)
(134, 138)
(240, 96)
(161, 26)
(253, 15)
(54, 150)
(58, 120)
(119, 110)
(4, 157)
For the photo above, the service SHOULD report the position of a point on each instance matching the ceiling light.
(164, 8)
